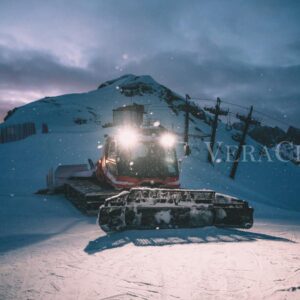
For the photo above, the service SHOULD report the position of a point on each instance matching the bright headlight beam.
(167, 140)
(127, 137)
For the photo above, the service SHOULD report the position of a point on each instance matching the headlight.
(167, 140)
(127, 137)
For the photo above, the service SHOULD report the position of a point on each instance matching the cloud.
(28, 75)
(274, 90)
(244, 51)
(31, 69)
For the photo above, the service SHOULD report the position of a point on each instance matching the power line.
(270, 117)
(233, 104)
(227, 102)
(246, 108)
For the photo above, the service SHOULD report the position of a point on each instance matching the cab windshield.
(147, 160)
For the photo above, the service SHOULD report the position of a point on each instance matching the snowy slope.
(48, 250)
(96, 106)
(275, 183)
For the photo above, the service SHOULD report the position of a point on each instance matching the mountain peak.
(127, 79)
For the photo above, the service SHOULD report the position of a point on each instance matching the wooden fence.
(16, 132)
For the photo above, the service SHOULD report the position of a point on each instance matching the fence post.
(16, 132)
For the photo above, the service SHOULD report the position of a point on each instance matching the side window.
(172, 164)
(112, 158)
(112, 150)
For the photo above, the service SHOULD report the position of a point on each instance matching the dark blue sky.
(246, 52)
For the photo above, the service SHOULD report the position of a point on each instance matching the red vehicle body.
(144, 161)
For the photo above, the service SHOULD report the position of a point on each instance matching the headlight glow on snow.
(168, 140)
(127, 137)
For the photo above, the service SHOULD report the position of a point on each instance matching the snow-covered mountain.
(95, 107)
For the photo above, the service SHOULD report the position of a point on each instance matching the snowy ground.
(71, 258)
(48, 250)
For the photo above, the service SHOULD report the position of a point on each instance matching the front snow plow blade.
(147, 208)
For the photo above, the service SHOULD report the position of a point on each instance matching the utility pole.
(247, 120)
(217, 111)
(187, 149)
